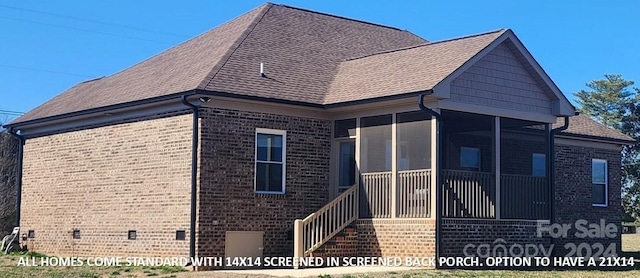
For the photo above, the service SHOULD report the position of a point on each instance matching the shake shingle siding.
(500, 80)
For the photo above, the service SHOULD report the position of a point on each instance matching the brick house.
(291, 132)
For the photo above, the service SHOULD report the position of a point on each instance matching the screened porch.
(491, 167)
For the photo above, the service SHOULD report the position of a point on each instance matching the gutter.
(194, 173)
(438, 186)
(551, 170)
(21, 141)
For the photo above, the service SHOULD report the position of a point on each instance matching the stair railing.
(317, 228)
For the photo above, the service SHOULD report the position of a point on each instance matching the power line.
(96, 21)
(83, 30)
(43, 70)
(11, 113)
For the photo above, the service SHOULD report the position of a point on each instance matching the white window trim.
(606, 182)
(479, 158)
(283, 133)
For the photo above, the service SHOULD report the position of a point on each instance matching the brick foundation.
(396, 237)
(470, 233)
(344, 244)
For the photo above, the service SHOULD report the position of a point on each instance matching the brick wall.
(573, 192)
(458, 233)
(396, 237)
(573, 201)
(344, 244)
(227, 201)
(105, 181)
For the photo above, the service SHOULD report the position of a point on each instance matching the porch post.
(496, 162)
(358, 164)
(435, 132)
(394, 166)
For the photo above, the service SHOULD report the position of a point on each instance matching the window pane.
(275, 177)
(539, 165)
(276, 148)
(375, 150)
(261, 176)
(598, 171)
(345, 128)
(470, 157)
(599, 196)
(268, 177)
(347, 167)
(263, 147)
(269, 147)
(414, 141)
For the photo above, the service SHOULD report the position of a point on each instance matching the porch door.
(346, 165)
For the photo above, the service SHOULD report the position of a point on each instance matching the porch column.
(496, 161)
(435, 167)
(394, 166)
(357, 158)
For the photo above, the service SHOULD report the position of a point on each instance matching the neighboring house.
(216, 146)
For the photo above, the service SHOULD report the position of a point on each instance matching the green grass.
(9, 269)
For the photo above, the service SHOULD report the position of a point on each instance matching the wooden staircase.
(321, 226)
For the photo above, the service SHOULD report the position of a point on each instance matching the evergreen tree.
(612, 102)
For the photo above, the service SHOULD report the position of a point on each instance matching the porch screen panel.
(413, 158)
(375, 166)
(414, 141)
(524, 190)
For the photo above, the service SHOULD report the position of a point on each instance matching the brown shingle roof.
(300, 49)
(583, 126)
(406, 70)
(178, 69)
(309, 57)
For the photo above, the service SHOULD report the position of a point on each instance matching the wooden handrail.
(316, 229)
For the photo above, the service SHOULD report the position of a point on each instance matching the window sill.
(599, 205)
(274, 195)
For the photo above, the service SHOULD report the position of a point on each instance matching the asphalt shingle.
(583, 126)
(406, 70)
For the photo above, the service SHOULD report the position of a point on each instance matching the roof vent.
(262, 70)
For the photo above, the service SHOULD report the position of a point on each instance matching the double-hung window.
(599, 182)
(270, 167)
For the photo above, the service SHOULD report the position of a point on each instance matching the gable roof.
(407, 70)
(300, 49)
(583, 126)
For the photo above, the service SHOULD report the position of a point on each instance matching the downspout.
(21, 141)
(194, 173)
(552, 159)
(438, 186)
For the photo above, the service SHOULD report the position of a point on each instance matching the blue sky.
(48, 46)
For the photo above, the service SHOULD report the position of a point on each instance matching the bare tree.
(8, 182)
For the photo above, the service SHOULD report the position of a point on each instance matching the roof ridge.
(427, 44)
(472, 35)
(92, 79)
(209, 78)
(342, 17)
